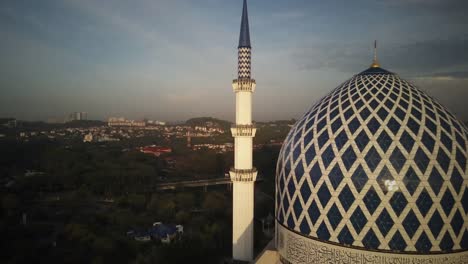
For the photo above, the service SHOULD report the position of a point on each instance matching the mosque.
(374, 172)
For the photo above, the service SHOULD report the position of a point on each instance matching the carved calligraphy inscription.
(301, 250)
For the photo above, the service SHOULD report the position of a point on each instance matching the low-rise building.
(120, 121)
(88, 138)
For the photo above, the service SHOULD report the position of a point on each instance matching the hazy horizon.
(172, 60)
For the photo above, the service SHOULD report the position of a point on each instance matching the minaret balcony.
(243, 85)
(243, 175)
(243, 130)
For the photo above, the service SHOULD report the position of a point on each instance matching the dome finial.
(375, 63)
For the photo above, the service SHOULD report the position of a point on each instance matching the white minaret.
(243, 175)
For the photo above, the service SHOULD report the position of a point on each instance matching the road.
(194, 183)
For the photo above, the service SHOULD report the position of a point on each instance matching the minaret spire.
(243, 174)
(244, 37)
(375, 63)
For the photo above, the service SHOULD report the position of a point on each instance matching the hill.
(85, 123)
(39, 125)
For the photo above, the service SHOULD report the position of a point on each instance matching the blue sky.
(175, 59)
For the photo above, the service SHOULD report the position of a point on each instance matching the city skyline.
(156, 59)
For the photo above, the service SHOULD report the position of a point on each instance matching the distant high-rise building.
(78, 116)
(243, 175)
(189, 139)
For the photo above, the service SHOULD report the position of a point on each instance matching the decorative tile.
(382, 156)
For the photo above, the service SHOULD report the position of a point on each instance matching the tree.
(103, 244)
(182, 217)
(185, 200)
(220, 164)
(10, 203)
(153, 204)
(163, 206)
(136, 201)
(215, 202)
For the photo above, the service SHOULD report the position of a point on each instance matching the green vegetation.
(80, 199)
(272, 131)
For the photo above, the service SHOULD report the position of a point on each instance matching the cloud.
(450, 11)
(288, 15)
(424, 5)
(113, 17)
(321, 55)
(446, 76)
(160, 57)
(450, 92)
(415, 59)
(430, 55)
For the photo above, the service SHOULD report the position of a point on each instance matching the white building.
(78, 116)
(88, 138)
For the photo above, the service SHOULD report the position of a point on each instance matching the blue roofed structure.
(162, 231)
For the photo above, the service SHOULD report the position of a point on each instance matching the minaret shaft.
(244, 108)
(243, 175)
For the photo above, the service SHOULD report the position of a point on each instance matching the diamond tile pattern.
(376, 164)
(384, 222)
(411, 224)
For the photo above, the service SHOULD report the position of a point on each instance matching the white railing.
(244, 85)
(243, 130)
(243, 175)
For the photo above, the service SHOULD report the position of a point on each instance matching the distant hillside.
(204, 121)
(85, 123)
(37, 125)
(278, 122)
(5, 120)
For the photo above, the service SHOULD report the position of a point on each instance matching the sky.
(175, 59)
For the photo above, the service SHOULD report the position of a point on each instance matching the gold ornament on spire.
(375, 63)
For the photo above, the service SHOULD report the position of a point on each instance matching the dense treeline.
(73, 202)
(83, 199)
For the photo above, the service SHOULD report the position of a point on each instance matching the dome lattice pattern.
(376, 164)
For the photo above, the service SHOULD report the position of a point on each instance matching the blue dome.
(377, 164)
